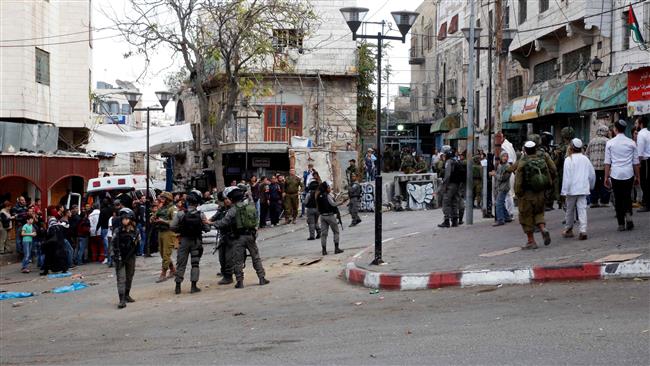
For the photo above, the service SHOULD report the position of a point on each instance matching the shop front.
(638, 92)
(606, 98)
(443, 125)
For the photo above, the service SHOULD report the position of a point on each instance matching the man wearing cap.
(351, 169)
(190, 225)
(292, 187)
(162, 220)
(643, 145)
(621, 173)
(328, 210)
(579, 178)
(532, 168)
(354, 191)
(567, 133)
(596, 154)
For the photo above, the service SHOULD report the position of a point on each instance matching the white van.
(114, 185)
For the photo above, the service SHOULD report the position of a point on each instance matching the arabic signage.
(261, 162)
(524, 108)
(638, 91)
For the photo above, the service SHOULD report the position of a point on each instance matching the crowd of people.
(573, 175)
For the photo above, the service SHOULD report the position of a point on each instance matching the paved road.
(308, 315)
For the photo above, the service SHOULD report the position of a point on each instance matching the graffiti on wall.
(420, 195)
(367, 197)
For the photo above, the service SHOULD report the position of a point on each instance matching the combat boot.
(324, 252)
(240, 284)
(444, 223)
(177, 290)
(454, 222)
(127, 296)
(162, 277)
(317, 234)
(172, 271)
(122, 303)
(311, 238)
(337, 250)
(194, 288)
(264, 281)
(226, 280)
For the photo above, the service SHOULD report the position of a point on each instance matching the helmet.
(568, 133)
(168, 196)
(236, 194)
(535, 138)
(192, 199)
(227, 190)
(313, 185)
(127, 213)
(117, 203)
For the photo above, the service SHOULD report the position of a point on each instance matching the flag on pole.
(633, 24)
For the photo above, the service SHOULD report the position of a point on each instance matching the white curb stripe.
(631, 269)
(371, 280)
(486, 278)
(414, 282)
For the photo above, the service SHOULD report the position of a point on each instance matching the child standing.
(27, 233)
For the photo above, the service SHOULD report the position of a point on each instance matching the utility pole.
(387, 100)
(501, 72)
(469, 202)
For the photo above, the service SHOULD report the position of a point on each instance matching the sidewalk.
(484, 255)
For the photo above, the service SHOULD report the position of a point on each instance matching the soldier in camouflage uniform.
(567, 134)
(191, 246)
(421, 165)
(166, 238)
(312, 210)
(408, 163)
(355, 200)
(292, 186)
(477, 180)
(352, 169)
(542, 143)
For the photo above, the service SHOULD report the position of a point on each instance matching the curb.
(422, 281)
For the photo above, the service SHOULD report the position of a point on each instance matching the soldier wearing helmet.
(162, 220)
(124, 247)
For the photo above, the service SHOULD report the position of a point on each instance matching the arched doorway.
(180, 112)
(13, 186)
(57, 192)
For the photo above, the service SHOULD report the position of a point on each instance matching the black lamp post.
(404, 21)
(596, 65)
(134, 98)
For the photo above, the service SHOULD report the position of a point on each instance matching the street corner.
(634, 269)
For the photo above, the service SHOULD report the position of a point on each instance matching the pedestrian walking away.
(622, 173)
(532, 177)
(190, 226)
(449, 187)
(579, 179)
(241, 219)
(643, 145)
(312, 211)
(596, 154)
(328, 210)
(124, 249)
(354, 192)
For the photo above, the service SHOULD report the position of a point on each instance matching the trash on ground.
(238, 314)
(358, 303)
(374, 291)
(77, 276)
(75, 286)
(287, 263)
(59, 275)
(639, 279)
(17, 304)
(500, 252)
(15, 295)
(381, 297)
(619, 257)
(310, 262)
(488, 289)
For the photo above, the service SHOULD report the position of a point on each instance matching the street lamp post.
(404, 21)
(134, 98)
(259, 109)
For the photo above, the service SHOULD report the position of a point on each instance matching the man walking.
(328, 217)
(579, 178)
(622, 167)
(532, 177)
(643, 145)
(162, 220)
(449, 188)
(292, 187)
(275, 200)
(312, 210)
(355, 199)
(190, 225)
(596, 154)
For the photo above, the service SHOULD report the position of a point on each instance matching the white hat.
(577, 143)
(529, 144)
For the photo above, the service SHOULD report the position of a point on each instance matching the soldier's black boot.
(226, 280)
(122, 303)
(454, 222)
(317, 234)
(337, 250)
(194, 288)
(177, 290)
(444, 223)
(127, 296)
(324, 252)
(311, 238)
(264, 281)
(240, 284)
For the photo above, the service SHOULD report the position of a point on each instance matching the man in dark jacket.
(105, 213)
(275, 201)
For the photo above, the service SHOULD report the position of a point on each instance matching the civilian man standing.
(596, 154)
(622, 166)
(643, 145)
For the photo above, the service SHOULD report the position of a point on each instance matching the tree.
(367, 68)
(226, 42)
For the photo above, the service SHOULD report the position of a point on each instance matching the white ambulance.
(115, 185)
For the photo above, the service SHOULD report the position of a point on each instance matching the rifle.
(338, 217)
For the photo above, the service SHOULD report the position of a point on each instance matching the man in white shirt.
(579, 178)
(643, 145)
(622, 173)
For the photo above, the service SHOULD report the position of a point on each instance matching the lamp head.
(404, 20)
(133, 98)
(259, 109)
(354, 16)
(596, 64)
(463, 101)
(508, 37)
(164, 97)
(477, 33)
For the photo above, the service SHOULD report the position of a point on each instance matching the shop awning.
(457, 134)
(113, 139)
(603, 93)
(563, 99)
(524, 108)
(506, 113)
(511, 126)
(447, 123)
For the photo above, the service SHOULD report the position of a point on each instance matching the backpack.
(191, 225)
(536, 176)
(458, 172)
(5, 220)
(245, 216)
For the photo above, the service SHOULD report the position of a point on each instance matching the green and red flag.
(633, 24)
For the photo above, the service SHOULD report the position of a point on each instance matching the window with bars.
(515, 87)
(425, 95)
(42, 67)
(287, 38)
(428, 31)
(543, 5)
(545, 71)
(451, 88)
(523, 11)
(571, 61)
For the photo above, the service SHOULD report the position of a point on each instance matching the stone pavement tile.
(482, 246)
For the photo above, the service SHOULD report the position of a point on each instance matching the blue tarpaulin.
(75, 286)
(15, 295)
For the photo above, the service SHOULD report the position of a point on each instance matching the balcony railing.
(416, 57)
(280, 134)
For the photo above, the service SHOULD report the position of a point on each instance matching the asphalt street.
(308, 315)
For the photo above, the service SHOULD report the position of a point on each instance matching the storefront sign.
(261, 162)
(638, 91)
(525, 108)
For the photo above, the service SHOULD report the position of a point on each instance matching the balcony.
(280, 134)
(416, 57)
